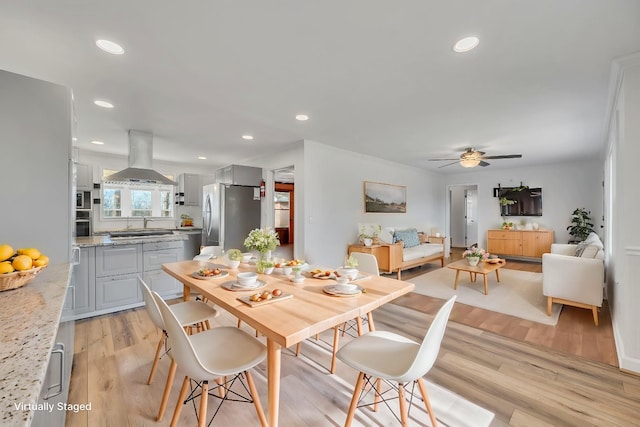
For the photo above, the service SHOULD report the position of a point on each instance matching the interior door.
(471, 217)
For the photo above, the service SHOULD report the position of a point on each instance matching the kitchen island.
(30, 316)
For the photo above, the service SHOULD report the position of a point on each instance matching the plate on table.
(247, 299)
(494, 261)
(322, 274)
(198, 274)
(233, 285)
(336, 291)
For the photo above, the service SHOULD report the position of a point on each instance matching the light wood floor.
(522, 384)
(575, 332)
(527, 374)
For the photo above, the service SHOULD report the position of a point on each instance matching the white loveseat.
(574, 275)
(404, 255)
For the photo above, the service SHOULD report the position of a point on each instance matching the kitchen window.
(138, 200)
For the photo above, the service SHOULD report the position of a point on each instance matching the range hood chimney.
(140, 159)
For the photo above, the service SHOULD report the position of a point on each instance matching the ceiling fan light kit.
(472, 158)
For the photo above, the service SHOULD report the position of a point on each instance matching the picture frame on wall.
(384, 198)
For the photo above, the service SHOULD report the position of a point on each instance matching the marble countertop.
(85, 242)
(29, 317)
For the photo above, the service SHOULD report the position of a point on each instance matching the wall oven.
(83, 199)
(83, 223)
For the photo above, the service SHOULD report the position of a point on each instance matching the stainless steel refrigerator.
(230, 212)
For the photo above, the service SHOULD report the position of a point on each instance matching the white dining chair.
(190, 314)
(367, 263)
(387, 356)
(214, 355)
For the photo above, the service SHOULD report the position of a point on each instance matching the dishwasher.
(153, 256)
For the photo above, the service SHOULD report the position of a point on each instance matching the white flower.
(262, 240)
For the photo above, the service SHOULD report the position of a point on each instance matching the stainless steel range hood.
(140, 159)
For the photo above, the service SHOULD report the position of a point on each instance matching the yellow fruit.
(42, 261)
(6, 252)
(6, 267)
(22, 262)
(32, 253)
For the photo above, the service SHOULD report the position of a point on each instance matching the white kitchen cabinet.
(189, 189)
(117, 260)
(84, 285)
(117, 269)
(117, 291)
(154, 255)
(84, 177)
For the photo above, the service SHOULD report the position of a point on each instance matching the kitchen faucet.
(145, 220)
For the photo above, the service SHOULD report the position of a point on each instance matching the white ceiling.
(375, 76)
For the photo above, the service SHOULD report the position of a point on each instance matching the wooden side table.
(381, 252)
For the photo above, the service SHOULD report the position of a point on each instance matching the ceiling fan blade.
(484, 163)
(440, 160)
(448, 164)
(506, 156)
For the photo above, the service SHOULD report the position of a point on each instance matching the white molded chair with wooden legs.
(367, 263)
(213, 355)
(382, 355)
(190, 314)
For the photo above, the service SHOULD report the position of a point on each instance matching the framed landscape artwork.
(385, 198)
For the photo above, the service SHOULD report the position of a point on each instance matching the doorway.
(463, 215)
(284, 210)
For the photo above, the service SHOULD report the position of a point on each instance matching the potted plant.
(581, 225)
(263, 240)
(187, 221)
(235, 256)
(474, 255)
(265, 267)
(365, 237)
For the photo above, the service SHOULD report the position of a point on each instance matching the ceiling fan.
(472, 158)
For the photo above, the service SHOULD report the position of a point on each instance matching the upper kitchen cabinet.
(84, 177)
(239, 175)
(189, 190)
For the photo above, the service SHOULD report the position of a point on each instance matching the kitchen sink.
(141, 232)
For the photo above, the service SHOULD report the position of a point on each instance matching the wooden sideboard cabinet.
(524, 243)
(381, 252)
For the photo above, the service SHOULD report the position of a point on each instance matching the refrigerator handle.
(207, 215)
(222, 214)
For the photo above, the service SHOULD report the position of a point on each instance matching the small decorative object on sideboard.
(187, 221)
(474, 255)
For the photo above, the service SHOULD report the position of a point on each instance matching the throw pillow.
(409, 237)
(580, 248)
(590, 251)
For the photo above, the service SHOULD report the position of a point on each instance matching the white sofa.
(402, 258)
(574, 275)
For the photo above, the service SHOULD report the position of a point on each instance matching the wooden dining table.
(287, 322)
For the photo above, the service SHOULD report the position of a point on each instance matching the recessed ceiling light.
(104, 104)
(466, 44)
(302, 117)
(97, 142)
(247, 137)
(202, 158)
(110, 47)
(74, 139)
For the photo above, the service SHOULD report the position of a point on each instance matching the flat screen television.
(520, 201)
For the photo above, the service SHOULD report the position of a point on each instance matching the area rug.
(519, 293)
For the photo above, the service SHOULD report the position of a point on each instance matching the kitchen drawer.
(153, 260)
(117, 291)
(121, 259)
(165, 285)
(177, 244)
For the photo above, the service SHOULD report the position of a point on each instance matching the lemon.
(22, 262)
(6, 252)
(32, 253)
(6, 267)
(41, 261)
